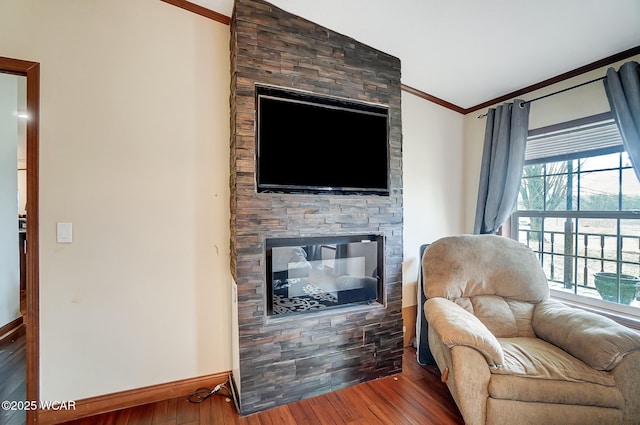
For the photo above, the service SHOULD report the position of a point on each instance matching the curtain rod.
(556, 92)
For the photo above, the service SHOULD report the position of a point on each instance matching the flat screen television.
(313, 144)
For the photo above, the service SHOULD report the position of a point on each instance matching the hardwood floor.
(416, 396)
(13, 377)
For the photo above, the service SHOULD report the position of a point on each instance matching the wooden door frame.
(31, 70)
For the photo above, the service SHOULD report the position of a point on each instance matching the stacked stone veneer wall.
(287, 359)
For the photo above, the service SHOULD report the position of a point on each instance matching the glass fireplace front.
(317, 273)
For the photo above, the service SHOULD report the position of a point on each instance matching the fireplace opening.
(311, 274)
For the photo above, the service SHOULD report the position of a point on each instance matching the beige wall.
(134, 152)
(580, 102)
(432, 155)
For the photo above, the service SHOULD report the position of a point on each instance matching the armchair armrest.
(457, 326)
(596, 340)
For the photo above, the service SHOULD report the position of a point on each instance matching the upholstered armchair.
(511, 355)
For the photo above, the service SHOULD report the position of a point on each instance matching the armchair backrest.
(497, 279)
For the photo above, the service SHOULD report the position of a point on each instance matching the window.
(579, 211)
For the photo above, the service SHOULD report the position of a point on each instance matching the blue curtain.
(623, 92)
(505, 141)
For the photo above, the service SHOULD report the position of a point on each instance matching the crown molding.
(558, 78)
(199, 10)
(430, 98)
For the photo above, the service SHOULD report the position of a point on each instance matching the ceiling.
(467, 52)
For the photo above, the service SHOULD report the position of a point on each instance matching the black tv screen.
(313, 144)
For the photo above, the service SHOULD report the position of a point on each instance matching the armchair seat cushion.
(536, 371)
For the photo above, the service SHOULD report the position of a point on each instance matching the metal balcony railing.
(573, 256)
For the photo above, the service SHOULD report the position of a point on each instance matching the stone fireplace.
(284, 358)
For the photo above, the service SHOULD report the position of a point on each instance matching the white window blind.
(591, 139)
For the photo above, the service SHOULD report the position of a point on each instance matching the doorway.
(29, 73)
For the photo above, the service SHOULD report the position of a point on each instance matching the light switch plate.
(64, 232)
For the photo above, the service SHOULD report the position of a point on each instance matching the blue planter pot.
(606, 284)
